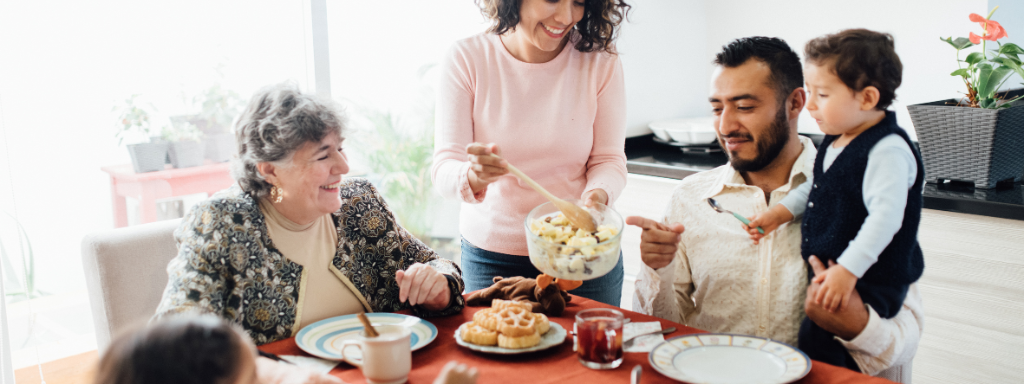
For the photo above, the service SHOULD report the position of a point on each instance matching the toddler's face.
(830, 102)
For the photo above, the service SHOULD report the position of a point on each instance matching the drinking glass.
(599, 338)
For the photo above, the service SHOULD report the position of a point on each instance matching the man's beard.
(769, 145)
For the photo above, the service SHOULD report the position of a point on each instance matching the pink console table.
(171, 182)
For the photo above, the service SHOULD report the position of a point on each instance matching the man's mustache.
(737, 135)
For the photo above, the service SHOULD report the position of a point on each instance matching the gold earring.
(276, 194)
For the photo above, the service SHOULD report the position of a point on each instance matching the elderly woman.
(293, 242)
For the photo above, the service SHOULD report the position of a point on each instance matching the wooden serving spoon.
(576, 215)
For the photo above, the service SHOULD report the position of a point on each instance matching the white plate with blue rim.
(323, 338)
(729, 358)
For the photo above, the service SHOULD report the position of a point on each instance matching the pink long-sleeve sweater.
(561, 122)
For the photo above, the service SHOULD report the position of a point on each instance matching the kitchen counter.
(645, 156)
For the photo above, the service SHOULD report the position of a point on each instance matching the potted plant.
(979, 137)
(134, 126)
(398, 157)
(218, 108)
(186, 145)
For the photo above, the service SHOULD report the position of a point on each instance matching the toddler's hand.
(456, 373)
(837, 285)
(769, 221)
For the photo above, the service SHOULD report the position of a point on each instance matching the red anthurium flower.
(994, 31)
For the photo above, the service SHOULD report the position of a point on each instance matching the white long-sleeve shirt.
(720, 281)
(890, 173)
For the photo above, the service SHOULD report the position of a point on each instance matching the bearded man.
(701, 268)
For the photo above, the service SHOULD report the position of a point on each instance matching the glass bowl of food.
(561, 250)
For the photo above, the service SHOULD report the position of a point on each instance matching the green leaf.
(1011, 63)
(959, 43)
(961, 72)
(1011, 49)
(1010, 59)
(989, 79)
(975, 58)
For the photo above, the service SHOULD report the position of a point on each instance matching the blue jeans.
(479, 266)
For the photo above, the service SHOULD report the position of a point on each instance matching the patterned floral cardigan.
(227, 263)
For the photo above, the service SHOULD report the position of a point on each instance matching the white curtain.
(6, 370)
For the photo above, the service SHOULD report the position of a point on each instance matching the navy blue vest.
(836, 211)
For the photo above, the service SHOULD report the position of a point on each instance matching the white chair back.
(126, 273)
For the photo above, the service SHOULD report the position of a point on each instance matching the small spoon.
(714, 204)
(576, 215)
(629, 342)
(370, 331)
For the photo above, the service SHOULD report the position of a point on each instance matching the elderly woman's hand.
(484, 169)
(423, 285)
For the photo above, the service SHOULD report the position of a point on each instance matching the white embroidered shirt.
(720, 281)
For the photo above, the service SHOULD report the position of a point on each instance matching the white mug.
(387, 358)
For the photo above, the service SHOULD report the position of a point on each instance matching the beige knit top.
(313, 246)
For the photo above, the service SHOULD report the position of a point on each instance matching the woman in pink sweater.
(542, 88)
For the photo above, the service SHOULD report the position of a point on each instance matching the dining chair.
(126, 273)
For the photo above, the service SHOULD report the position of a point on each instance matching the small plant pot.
(980, 146)
(220, 147)
(186, 154)
(148, 157)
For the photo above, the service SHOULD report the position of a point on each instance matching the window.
(65, 69)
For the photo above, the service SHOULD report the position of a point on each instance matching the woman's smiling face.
(311, 180)
(545, 24)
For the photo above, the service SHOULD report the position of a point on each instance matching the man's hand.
(659, 242)
(484, 169)
(769, 221)
(836, 285)
(848, 322)
(423, 285)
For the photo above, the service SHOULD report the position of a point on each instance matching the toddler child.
(205, 349)
(862, 207)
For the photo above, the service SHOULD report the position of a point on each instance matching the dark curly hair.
(860, 58)
(597, 29)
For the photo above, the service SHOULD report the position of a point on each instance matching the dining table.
(557, 364)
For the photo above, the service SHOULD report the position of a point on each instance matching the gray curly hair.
(277, 122)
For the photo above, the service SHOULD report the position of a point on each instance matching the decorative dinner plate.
(729, 358)
(554, 336)
(323, 338)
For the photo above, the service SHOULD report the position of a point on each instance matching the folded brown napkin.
(548, 297)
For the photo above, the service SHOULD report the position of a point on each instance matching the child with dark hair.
(862, 208)
(205, 349)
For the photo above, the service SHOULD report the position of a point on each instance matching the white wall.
(1011, 16)
(663, 53)
(916, 26)
(667, 46)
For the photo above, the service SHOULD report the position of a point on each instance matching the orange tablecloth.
(555, 365)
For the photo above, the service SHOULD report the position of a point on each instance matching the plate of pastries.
(509, 327)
